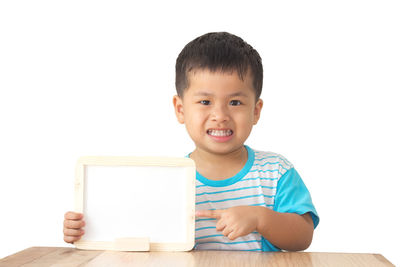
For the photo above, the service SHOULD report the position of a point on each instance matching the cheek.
(245, 119)
(244, 124)
(194, 121)
(197, 117)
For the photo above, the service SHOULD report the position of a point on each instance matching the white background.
(97, 78)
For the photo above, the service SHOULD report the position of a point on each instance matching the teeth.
(220, 132)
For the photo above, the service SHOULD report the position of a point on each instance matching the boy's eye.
(205, 102)
(235, 102)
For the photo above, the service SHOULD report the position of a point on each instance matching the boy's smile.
(219, 110)
(220, 135)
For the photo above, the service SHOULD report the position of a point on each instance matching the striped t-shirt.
(268, 180)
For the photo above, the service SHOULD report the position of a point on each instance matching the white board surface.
(136, 198)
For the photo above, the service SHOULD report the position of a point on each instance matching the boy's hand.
(73, 223)
(233, 222)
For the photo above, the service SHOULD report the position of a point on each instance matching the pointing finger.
(216, 214)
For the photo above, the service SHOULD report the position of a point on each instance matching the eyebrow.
(231, 95)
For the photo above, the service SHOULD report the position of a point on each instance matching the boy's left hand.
(233, 222)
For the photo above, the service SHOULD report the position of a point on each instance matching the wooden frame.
(99, 170)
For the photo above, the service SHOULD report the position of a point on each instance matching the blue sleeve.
(292, 196)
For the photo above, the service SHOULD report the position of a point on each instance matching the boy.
(245, 199)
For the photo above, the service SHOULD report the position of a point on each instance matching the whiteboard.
(136, 203)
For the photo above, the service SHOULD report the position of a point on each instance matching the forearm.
(288, 231)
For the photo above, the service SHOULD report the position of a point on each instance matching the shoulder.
(271, 160)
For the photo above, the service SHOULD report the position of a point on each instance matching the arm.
(288, 231)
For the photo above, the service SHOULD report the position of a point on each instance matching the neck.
(219, 165)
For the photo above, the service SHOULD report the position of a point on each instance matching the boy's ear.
(178, 105)
(257, 110)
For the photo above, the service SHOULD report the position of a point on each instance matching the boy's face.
(219, 110)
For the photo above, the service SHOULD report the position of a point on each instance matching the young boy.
(245, 199)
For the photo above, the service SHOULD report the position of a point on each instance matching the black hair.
(218, 51)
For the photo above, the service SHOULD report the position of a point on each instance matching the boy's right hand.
(73, 223)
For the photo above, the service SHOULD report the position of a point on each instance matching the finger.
(71, 239)
(232, 235)
(220, 225)
(71, 215)
(70, 224)
(227, 231)
(216, 214)
(73, 232)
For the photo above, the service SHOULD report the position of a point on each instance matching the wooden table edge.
(33, 253)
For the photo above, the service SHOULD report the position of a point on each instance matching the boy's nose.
(220, 114)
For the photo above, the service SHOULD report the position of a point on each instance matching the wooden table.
(59, 256)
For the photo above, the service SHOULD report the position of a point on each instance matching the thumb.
(216, 214)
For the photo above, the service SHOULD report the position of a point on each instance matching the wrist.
(263, 216)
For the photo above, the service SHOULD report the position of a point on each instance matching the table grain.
(63, 256)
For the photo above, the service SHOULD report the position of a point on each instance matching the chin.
(223, 149)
